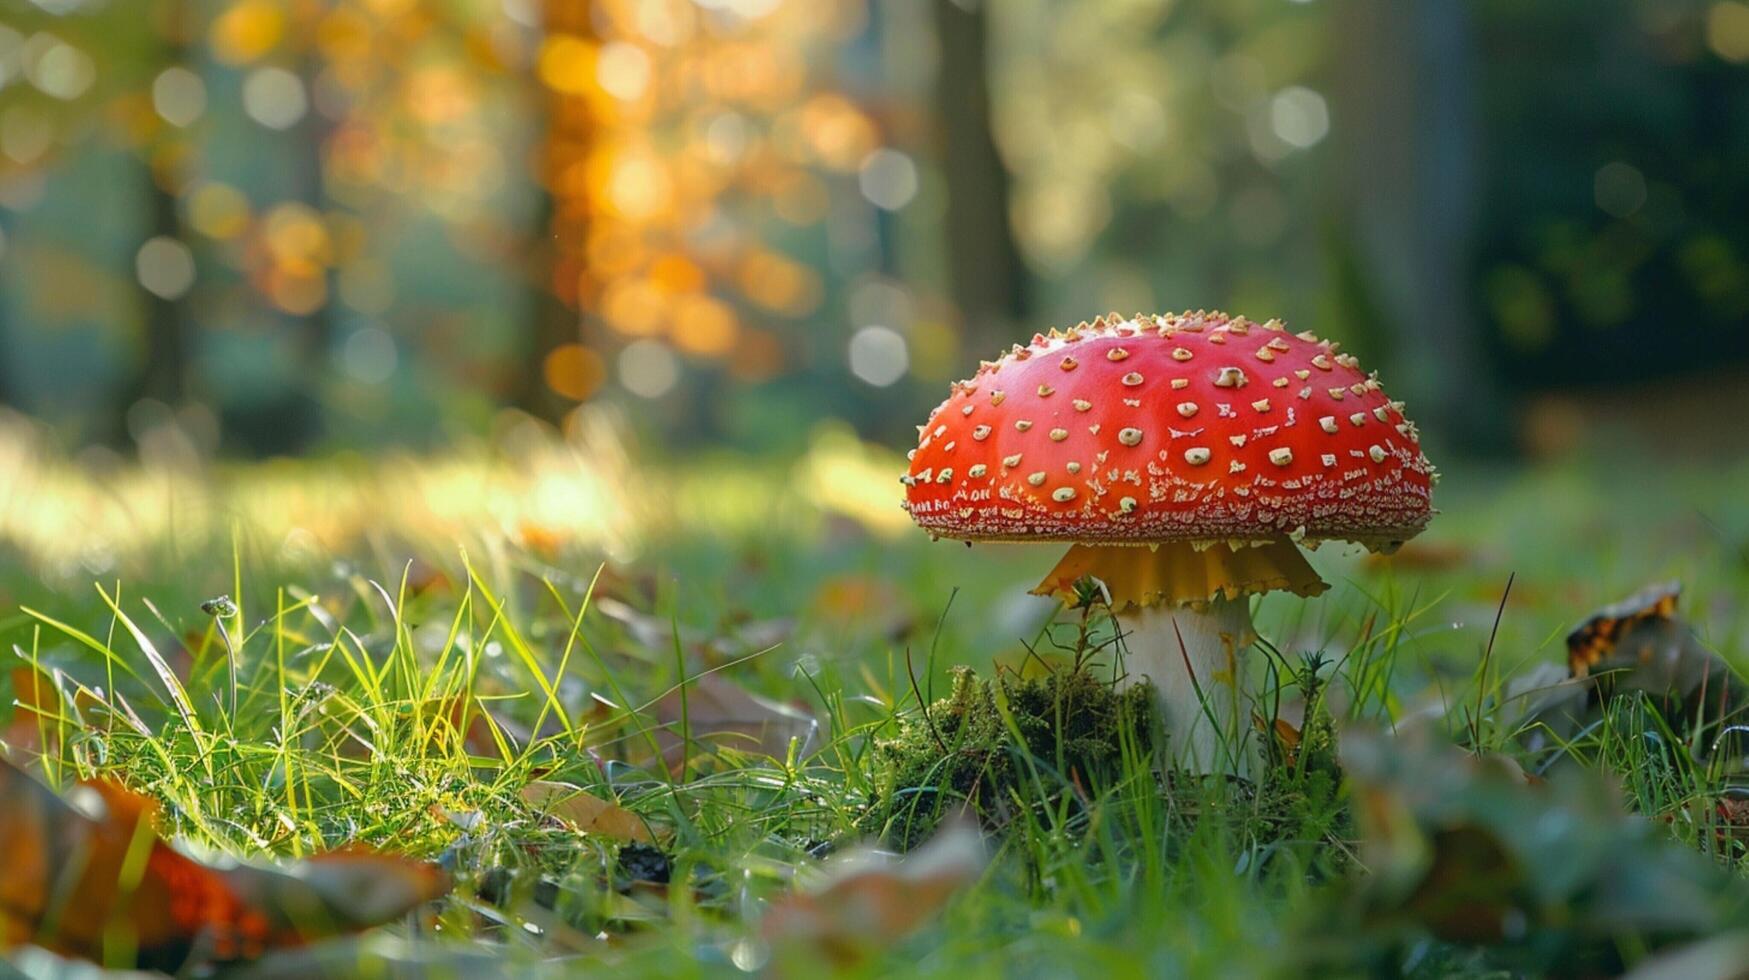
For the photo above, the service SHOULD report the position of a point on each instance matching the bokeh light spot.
(1299, 117)
(567, 64)
(1522, 306)
(648, 369)
(1727, 30)
(297, 237)
(572, 371)
(25, 133)
(677, 274)
(275, 98)
(165, 267)
(705, 326)
(634, 307)
(1137, 120)
(878, 355)
(1619, 188)
(218, 210)
(297, 293)
(726, 137)
(246, 31)
(638, 185)
(837, 131)
(888, 179)
(58, 69)
(779, 283)
(369, 356)
(759, 356)
(624, 70)
(178, 96)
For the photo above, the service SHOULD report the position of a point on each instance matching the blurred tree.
(570, 129)
(1409, 179)
(549, 323)
(291, 420)
(160, 371)
(988, 277)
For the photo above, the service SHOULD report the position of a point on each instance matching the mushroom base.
(1180, 573)
(1195, 659)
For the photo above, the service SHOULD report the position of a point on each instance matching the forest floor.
(649, 717)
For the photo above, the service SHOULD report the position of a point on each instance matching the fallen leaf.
(1718, 958)
(863, 602)
(719, 712)
(1600, 634)
(1636, 646)
(37, 714)
(587, 813)
(1466, 848)
(868, 900)
(734, 640)
(337, 892)
(87, 876)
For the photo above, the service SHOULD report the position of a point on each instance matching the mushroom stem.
(1186, 615)
(1195, 658)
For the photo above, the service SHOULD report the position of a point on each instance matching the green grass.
(400, 688)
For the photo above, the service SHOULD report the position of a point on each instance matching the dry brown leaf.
(586, 812)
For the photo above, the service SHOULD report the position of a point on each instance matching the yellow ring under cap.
(1181, 573)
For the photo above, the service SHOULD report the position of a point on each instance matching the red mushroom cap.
(1195, 427)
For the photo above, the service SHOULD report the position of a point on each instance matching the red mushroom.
(1217, 442)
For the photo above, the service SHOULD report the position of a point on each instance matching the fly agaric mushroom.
(1185, 457)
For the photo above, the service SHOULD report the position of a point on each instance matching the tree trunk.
(1406, 102)
(163, 367)
(162, 373)
(555, 246)
(550, 322)
(8, 395)
(988, 277)
(291, 420)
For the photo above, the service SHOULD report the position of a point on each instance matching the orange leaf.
(87, 876)
(35, 726)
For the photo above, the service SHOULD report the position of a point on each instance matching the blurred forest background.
(293, 226)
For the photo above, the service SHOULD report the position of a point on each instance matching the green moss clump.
(990, 743)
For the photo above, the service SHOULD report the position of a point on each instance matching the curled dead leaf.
(586, 812)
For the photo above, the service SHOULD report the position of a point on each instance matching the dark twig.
(922, 705)
(1487, 655)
